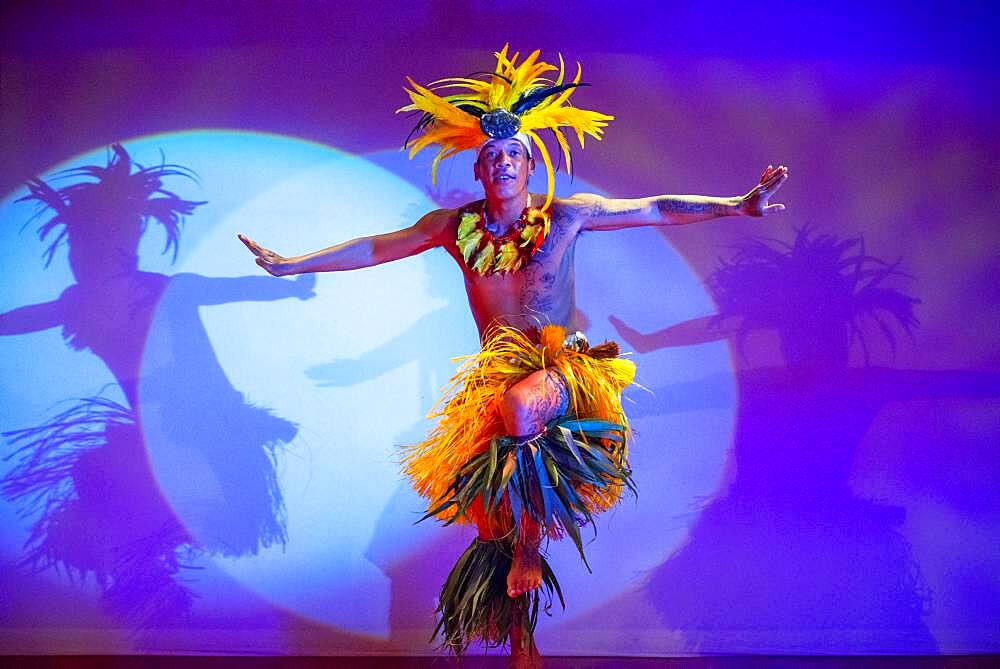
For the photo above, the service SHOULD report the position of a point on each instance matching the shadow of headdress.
(131, 197)
(817, 281)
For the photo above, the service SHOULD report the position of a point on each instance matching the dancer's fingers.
(254, 247)
(776, 178)
(776, 182)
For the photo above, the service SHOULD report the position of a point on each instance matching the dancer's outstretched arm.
(426, 233)
(602, 213)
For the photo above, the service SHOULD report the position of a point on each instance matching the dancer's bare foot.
(525, 570)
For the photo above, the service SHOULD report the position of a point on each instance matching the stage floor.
(492, 662)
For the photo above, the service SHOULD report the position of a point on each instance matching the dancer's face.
(503, 167)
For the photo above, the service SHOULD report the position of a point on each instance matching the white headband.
(521, 137)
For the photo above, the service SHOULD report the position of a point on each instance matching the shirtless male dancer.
(539, 290)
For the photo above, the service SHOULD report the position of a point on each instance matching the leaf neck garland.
(486, 253)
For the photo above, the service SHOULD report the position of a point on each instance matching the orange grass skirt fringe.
(469, 414)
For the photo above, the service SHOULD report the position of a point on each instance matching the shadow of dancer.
(786, 547)
(429, 342)
(85, 475)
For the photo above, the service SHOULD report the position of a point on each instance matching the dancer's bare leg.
(525, 575)
(526, 568)
(523, 652)
(527, 409)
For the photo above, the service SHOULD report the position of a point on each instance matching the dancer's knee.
(518, 419)
(531, 404)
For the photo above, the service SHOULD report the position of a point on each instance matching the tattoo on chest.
(537, 293)
(540, 291)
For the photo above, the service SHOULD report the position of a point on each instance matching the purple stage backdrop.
(199, 457)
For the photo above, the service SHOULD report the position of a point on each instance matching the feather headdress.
(514, 98)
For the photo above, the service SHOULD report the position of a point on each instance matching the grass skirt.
(560, 479)
(469, 418)
(474, 601)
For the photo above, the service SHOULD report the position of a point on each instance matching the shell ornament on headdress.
(514, 98)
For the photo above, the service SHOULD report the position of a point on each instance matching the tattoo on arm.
(615, 209)
(687, 205)
(614, 214)
(665, 205)
(561, 217)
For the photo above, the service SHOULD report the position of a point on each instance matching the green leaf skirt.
(474, 601)
(544, 479)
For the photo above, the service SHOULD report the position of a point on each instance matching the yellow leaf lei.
(508, 253)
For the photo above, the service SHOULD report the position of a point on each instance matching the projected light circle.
(343, 370)
(212, 401)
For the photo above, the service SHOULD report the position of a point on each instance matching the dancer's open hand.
(755, 203)
(275, 264)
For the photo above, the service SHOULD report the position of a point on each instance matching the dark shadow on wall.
(785, 546)
(85, 476)
(415, 576)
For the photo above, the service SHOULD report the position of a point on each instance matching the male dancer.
(532, 439)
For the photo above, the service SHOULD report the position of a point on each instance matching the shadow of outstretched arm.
(401, 349)
(32, 318)
(686, 333)
(223, 290)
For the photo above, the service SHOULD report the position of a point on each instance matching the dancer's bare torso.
(542, 292)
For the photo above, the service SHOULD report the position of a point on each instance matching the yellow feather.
(442, 110)
(501, 58)
(549, 170)
(562, 71)
(434, 165)
(467, 223)
(477, 84)
(525, 73)
(564, 96)
(484, 259)
(564, 145)
(581, 120)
